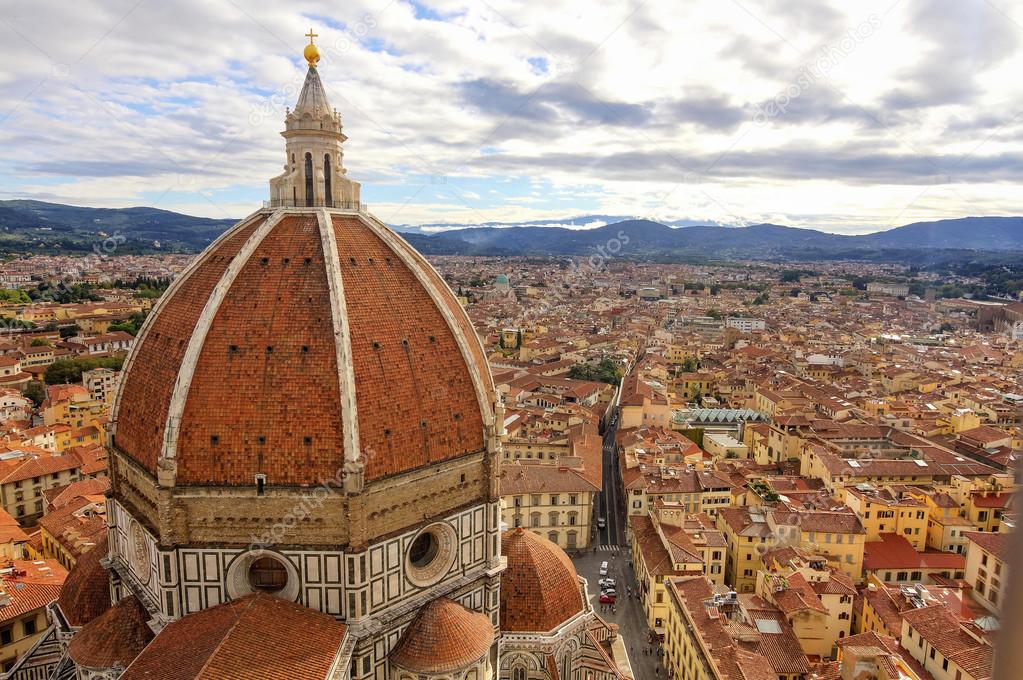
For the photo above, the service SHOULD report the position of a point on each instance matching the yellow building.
(553, 501)
(749, 531)
(888, 511)
(660, 553)
(24, 594)
(987, 568)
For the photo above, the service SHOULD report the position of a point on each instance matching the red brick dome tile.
(540, 589)
(298, 336)
(86, 591)
(444, 637)
(114, 638)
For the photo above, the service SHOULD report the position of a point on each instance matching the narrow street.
(611, 547)
(628, 613)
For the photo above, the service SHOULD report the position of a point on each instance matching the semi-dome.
(540, 589)
(302, 342)
(443, 638)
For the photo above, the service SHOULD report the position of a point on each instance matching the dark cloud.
(551, 102)
(850, 164)
(705, 108)
(967, 37)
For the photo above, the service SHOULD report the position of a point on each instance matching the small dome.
(502, 279)
(444, 637)
(115, 638)
(86, 592)
(540, 589)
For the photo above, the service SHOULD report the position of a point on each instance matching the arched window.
(294, 197)
(326, 180)
(308, 179)
(519, 673)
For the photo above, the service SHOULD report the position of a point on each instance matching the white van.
(603, 568)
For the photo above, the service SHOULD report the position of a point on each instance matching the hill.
(35, 226)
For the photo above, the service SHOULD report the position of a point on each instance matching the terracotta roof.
(115, 637)
(540, 589)
(86, 592)
(443, 638)
(257, 636)
(893, 551)
(272, 339)
(30, 584)
(995, 543)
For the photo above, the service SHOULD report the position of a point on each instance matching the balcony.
(336, 205)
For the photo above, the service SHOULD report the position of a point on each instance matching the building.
(746, 325)
(717, 634)
(342, 520)
(987, 567)
(893, 289)
(551, 500)
(26, 588)
(100, 383)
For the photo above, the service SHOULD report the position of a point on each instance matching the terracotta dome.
(86, 591)
(114, 638)
(444, 637)
(298, 340)
(540, 589)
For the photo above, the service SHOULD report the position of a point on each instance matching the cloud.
(526, 111)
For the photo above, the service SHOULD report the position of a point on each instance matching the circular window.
(268, 575)
(424, 550)
(263, 571)
(431, 554)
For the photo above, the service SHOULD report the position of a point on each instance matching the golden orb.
(312, 54)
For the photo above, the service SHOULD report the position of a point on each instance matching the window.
(424, 549)
(309, 180)
(29, 626)
(6, 636)
(326, 180)
(268, 575)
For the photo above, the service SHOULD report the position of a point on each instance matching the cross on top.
(312, 35)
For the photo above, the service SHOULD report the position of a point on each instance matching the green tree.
(36, 391)
(606, 370)
(14, 295)
(65, 371)
(40, 342)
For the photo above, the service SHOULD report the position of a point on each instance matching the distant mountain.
(35, 226)
(987, 233)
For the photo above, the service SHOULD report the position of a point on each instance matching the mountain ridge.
(33, 226)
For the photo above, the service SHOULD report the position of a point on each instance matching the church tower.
(314, 174)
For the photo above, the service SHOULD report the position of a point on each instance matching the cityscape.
(589, 442)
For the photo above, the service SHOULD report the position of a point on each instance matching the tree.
(40, 342)
(690, 365)
(65, 371)
(36, 391)
(606, 370)
(791, 276)
(14, 295)
(715, 314)
(69, 331)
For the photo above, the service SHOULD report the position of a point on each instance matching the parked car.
(608, 598)
(606, 583)
(603, 568)
(609, 591)
(601, 522)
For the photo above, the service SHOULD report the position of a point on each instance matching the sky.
(843, 116)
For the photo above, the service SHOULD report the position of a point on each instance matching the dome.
(444, 637)
(502, 279)
(300, 343)
(86, 591)
(540, 589)
(115, 638)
